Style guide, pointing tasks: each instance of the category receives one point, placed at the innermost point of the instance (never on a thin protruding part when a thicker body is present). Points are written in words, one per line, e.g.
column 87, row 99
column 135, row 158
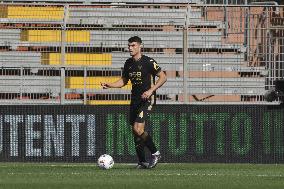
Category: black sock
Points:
column 139, row 147
column 148, row 142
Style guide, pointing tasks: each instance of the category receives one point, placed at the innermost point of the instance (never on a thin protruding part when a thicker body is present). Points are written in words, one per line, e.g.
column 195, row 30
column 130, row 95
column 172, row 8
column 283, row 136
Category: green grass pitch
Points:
column 164, row 176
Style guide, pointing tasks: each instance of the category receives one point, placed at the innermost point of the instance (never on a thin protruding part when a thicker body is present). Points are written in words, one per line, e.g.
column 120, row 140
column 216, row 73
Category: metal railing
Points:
column 59, row 53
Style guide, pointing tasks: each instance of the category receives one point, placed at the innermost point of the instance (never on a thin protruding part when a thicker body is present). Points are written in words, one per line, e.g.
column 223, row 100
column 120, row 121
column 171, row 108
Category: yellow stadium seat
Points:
column 108, row 102
column 91, row 82
column 77, row 36
column 80, row 59
column 33, row 12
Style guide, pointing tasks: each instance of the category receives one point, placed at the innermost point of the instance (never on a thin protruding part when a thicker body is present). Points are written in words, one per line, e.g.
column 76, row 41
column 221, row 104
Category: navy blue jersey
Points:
column 142, row 76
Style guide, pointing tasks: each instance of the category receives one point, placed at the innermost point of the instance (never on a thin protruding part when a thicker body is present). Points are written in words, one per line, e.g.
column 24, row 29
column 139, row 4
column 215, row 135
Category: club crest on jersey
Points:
column 156, row 65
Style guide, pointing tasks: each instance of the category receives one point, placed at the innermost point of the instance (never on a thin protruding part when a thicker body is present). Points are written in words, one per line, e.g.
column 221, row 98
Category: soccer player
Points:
column 141, row 70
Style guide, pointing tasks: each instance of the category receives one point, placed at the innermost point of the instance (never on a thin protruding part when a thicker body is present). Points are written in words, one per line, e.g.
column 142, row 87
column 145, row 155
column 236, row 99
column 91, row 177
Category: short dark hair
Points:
column 135, row 39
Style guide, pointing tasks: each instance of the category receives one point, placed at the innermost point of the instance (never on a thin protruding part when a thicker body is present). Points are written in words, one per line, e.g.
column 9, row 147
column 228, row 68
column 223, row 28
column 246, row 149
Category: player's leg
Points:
column 139, row 143
column 139, row 126
column 139, row 130
column 140, row 152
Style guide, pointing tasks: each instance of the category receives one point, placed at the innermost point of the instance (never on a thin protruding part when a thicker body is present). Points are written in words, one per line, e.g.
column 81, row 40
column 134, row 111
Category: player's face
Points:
column 134, row 48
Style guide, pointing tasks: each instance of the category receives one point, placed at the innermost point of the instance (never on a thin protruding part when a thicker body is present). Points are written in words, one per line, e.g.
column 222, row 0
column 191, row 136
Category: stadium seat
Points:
column 79, row 36
column 90, row 82
column 32, row 12
column 79, row 59
column 108, row 102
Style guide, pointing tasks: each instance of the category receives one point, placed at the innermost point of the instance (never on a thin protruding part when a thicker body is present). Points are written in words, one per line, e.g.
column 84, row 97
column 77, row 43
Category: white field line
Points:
column 145, row 173
column 126, row 173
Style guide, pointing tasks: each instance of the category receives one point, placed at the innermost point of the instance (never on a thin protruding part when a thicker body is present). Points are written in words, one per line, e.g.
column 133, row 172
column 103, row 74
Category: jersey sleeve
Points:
column 125, row 73
column 154, row 67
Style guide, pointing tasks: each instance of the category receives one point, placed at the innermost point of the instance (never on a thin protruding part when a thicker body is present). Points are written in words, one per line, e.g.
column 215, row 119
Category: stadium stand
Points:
column 225, row 60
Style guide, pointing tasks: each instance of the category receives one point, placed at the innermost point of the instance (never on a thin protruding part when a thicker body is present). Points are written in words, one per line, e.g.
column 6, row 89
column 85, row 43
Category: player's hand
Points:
column 105, row 85
column 146, row 95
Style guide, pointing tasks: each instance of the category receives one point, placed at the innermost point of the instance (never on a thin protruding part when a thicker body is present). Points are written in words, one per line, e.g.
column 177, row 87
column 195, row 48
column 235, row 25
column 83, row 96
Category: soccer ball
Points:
column 105, row 161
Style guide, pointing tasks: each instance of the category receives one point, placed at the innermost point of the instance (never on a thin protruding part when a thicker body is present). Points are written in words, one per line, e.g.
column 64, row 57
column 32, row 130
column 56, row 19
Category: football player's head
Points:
column 134, row 45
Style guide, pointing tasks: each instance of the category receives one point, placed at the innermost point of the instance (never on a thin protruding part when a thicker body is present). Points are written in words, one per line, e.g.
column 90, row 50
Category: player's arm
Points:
column 117, row 84
column 162, row 79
